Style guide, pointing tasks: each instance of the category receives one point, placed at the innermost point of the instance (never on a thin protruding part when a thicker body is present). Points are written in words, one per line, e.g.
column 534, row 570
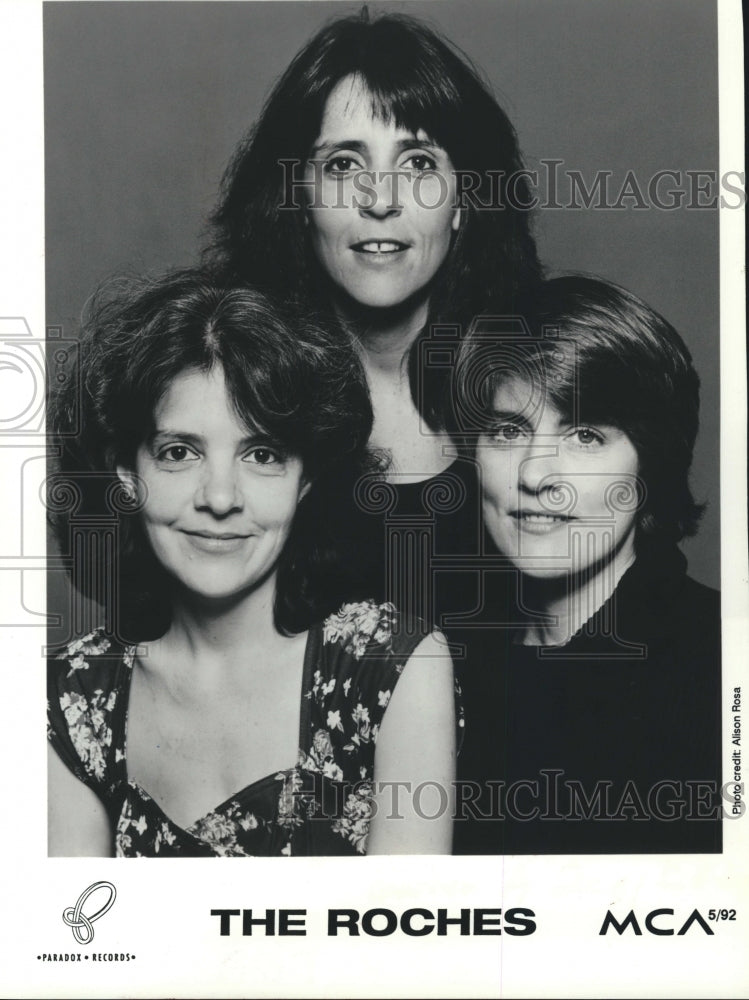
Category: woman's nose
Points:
column 539, row 468
column 383, row 195
column 544, row 475
column 218, row 490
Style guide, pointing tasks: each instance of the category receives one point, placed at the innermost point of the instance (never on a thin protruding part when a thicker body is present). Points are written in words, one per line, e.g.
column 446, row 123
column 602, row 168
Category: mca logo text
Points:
column 663, row 922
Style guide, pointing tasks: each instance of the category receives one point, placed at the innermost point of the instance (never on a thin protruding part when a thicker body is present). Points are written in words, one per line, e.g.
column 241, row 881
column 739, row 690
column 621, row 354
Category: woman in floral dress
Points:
column 211, row 716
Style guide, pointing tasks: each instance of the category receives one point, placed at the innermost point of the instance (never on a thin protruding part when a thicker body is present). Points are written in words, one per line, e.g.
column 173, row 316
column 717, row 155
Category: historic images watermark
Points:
column 549, row 796
column 551, row 186
column 27, row 367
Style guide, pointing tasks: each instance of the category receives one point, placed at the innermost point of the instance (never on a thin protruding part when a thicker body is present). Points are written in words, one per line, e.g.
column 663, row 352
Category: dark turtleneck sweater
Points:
column 608, row 744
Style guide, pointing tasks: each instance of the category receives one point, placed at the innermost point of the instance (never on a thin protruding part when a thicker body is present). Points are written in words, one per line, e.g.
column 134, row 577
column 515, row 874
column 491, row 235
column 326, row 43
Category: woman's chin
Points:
column 366, row 300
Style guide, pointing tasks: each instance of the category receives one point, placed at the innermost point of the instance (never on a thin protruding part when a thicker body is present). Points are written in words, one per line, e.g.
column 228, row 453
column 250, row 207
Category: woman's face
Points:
column 558, row 498
column 381, row 208
column 218, row 499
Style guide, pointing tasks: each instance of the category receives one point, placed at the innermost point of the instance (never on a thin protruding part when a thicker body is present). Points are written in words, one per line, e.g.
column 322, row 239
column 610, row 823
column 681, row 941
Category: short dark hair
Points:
column 628, row 368
column 286, row 377
column 422, row 81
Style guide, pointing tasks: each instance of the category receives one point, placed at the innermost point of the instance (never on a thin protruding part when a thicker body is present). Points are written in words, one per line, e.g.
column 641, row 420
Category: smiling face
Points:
column 218, row 499
column 382, row 216
column 559, row 498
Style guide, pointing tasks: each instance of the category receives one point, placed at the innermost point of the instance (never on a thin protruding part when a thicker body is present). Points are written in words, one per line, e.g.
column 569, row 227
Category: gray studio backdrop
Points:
column 144, row 103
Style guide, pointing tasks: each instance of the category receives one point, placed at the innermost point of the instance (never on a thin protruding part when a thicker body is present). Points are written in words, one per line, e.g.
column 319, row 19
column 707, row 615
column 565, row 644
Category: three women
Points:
column 356, row 195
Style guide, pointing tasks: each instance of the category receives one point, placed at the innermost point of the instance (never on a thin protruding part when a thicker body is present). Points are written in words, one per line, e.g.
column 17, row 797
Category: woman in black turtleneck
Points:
column 592, row 696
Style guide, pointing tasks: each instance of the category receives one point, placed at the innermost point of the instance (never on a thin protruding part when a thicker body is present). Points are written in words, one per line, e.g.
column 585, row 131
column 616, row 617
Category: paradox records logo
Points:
column 92, row 904
column 81, row 923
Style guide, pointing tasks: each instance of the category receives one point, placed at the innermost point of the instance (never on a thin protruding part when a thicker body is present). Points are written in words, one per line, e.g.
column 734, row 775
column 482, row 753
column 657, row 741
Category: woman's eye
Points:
column 177, row 453
column 341, row 165
column 263, row 456
column 420, row 162
column 506, row 433
column 587, row 437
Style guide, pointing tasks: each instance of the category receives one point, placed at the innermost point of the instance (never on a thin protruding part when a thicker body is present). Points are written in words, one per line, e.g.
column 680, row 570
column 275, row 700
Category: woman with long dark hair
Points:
column 382, row 186
column 217, row 716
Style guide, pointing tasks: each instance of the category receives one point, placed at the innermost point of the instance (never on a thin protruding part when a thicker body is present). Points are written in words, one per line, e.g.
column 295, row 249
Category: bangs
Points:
column 582, row 385
column 257, row 407
column 413, row 79
column 264, row 390
column 412, row 100
column 590, row 386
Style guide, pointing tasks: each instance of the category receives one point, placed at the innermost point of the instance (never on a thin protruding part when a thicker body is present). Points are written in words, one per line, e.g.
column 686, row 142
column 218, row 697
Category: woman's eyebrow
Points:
column 170, row 433
column 413, row 140
column 511, row 416
column 254, row 437
column 325, row 147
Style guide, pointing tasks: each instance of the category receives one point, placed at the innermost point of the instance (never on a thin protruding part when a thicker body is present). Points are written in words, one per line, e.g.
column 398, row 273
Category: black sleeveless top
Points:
column 416, row 545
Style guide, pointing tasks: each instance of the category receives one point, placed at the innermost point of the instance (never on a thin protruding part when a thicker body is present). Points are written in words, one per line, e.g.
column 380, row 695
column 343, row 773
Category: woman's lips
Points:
column 215, row 542
column 536, row 523
column 379, row 247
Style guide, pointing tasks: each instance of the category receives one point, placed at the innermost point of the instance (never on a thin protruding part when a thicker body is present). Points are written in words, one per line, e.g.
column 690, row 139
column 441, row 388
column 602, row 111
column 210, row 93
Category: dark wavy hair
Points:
column 628, row 368
column 287, row 378
column 421, row 81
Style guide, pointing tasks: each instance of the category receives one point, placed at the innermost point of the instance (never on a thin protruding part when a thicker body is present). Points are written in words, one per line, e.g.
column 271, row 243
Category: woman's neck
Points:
column 570, row 601
column 384, row 338
column 212, row 637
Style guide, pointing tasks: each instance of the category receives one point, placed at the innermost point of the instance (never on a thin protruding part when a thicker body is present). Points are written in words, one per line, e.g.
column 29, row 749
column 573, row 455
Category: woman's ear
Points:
column 304, row 490
column 127, row 478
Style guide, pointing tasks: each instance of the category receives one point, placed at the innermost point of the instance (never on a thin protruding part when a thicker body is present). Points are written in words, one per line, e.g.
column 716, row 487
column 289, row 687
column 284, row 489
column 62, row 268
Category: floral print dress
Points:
column 319, row 805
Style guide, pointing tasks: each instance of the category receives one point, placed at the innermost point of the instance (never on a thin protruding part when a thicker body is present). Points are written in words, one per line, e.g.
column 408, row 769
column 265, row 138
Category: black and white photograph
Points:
column 391, row 498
